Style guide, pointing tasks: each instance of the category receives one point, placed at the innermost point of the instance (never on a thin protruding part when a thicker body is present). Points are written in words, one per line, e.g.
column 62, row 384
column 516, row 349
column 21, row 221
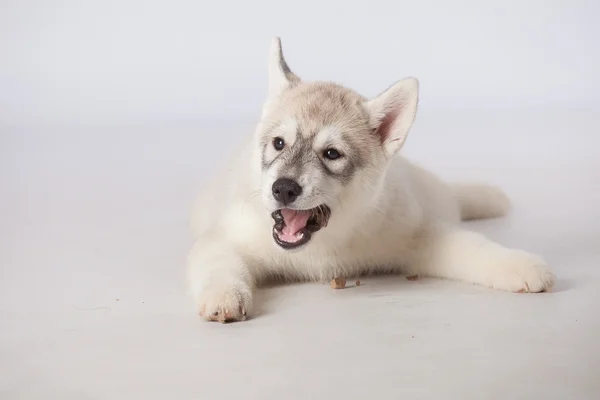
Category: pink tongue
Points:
column 295, row 220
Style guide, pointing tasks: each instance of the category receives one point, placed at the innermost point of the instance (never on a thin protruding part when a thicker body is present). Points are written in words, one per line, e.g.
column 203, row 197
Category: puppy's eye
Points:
column 278, row 143
column 331, row 154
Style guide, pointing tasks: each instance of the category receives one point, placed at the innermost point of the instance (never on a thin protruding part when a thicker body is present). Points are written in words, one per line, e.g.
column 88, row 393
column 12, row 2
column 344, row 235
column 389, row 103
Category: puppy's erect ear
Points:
column 281, row 77
column 393, row 112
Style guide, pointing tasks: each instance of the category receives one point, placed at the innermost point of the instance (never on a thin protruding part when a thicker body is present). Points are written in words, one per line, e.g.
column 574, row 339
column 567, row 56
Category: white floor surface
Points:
column 94, row 235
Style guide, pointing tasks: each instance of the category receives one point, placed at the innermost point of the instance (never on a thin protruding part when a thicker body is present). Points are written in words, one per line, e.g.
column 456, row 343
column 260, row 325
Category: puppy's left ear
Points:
column 393, row 112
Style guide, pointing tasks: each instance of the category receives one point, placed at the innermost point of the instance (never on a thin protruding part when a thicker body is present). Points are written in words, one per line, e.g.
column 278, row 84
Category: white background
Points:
column 99, row 61
column 113, row 114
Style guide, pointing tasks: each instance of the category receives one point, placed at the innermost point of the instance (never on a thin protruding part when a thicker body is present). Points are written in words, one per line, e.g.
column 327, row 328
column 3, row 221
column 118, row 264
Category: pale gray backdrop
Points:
column 114, row 113
column 89, row 61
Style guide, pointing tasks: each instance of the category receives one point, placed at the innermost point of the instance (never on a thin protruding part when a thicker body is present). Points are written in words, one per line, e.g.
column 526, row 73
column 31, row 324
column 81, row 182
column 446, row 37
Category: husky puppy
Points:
column 320, row 191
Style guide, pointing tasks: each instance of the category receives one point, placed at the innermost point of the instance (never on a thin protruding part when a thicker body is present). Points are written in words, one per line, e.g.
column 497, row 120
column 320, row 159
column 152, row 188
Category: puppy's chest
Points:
column 321, row 262
column 326, row 255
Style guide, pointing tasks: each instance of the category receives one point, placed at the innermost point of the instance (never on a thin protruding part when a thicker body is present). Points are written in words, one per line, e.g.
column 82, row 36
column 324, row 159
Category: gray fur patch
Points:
column 302, row 156
column 344, row 176
column 264, row 162
column 265, row 142
column 290, row 76
column 298, row 157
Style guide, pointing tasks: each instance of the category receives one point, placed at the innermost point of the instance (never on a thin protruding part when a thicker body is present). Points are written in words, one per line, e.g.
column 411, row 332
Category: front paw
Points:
column 225, row 302
column 524, row 273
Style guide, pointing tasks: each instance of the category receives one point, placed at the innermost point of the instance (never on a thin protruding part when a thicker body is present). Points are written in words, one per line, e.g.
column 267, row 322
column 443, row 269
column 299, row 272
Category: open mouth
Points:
column 293, row 228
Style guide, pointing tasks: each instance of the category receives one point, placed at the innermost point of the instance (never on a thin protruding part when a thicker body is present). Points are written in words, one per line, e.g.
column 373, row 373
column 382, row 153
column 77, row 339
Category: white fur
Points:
column 394, row 216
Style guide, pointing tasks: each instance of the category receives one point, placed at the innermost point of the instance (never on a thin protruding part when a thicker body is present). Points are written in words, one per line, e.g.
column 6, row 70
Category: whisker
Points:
column 334, row 197
column 249, row 198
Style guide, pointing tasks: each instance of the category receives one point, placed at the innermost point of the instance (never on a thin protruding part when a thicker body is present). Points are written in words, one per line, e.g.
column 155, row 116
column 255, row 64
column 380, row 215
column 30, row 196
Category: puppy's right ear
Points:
column 281, row 76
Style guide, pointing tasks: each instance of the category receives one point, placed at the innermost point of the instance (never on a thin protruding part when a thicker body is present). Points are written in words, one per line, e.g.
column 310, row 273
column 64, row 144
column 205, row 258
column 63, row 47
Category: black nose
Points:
column 286, row 190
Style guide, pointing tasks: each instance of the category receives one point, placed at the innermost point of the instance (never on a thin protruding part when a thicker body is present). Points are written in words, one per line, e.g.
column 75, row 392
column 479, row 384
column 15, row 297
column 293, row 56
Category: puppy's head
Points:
column 324, row 149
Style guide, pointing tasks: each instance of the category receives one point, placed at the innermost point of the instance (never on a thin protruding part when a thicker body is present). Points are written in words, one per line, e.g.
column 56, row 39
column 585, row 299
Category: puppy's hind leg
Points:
column 468, row 256
column 219, row 280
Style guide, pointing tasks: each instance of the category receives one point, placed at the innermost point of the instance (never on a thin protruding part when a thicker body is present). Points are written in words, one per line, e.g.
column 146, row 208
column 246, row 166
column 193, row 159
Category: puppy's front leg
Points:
column 471, row 257
column 220, row 280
